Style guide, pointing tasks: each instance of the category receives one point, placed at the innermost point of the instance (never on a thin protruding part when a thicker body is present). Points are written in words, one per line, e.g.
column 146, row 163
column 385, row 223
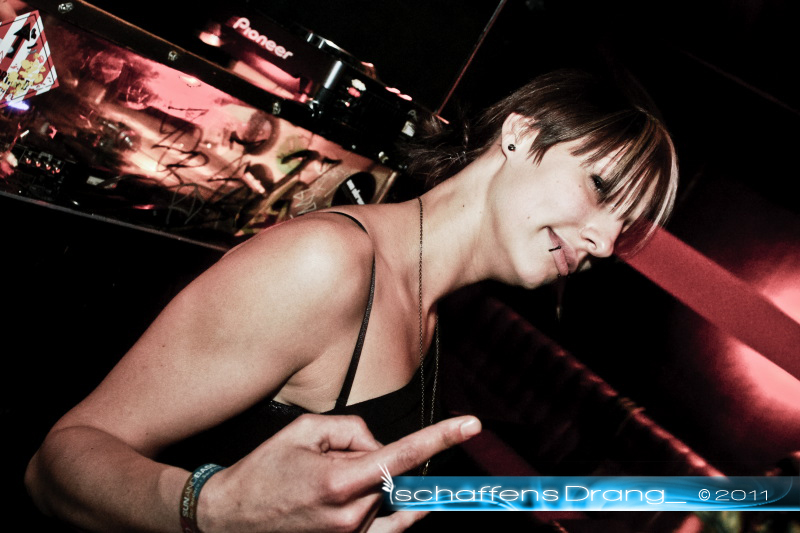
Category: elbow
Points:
column 42, row 474
column 33, row 483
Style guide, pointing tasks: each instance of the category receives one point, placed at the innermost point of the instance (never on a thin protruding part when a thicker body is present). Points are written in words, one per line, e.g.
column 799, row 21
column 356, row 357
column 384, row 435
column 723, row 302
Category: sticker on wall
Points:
column 26, row 68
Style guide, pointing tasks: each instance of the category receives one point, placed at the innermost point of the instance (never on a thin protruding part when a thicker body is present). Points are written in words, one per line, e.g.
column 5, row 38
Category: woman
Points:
column 553, row 176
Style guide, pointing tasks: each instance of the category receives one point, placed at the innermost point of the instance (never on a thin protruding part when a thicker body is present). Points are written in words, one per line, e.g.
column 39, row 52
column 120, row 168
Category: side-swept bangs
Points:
column 604, row 119
column 641, row 183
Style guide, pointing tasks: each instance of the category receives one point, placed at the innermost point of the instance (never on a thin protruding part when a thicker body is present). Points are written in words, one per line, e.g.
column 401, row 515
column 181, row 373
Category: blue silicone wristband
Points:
column 191, row 493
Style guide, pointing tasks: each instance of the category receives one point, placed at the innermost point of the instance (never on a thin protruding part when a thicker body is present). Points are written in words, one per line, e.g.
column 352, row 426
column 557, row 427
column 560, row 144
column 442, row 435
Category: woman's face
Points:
column 549, row 217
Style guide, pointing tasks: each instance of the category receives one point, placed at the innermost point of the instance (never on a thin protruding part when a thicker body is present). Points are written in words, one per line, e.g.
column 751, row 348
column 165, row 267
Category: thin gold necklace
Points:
column 421, row 347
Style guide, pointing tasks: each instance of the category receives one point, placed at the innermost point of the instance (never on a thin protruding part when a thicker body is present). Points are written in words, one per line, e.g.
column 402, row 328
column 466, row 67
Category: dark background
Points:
column 78, row 292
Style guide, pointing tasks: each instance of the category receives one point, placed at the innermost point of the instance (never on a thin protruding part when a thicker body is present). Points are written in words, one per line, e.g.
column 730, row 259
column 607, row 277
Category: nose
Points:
column 600, row 235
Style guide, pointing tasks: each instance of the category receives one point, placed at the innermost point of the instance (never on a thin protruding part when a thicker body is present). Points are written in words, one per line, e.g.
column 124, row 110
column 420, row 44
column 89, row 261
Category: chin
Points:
column 534, row 281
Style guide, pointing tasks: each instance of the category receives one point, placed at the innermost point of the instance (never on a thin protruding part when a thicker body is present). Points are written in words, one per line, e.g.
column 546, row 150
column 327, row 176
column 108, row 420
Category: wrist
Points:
column 197, row 500
column 211, row 506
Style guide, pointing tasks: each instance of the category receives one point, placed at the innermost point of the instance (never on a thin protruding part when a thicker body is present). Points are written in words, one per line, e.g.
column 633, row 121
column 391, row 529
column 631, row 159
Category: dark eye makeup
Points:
column 598, row 182
column 600, row 186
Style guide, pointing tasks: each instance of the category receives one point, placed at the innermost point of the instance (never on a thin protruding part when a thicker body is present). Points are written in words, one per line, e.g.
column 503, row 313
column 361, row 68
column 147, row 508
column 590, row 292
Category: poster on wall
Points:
column 26, row 68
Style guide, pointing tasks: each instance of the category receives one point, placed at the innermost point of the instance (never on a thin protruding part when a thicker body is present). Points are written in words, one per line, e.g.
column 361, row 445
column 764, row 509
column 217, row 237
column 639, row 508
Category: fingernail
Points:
column 470, row 428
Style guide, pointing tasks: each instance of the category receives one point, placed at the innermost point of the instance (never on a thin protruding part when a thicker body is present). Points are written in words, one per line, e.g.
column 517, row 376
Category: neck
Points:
column 458, row 234
column 458, row 231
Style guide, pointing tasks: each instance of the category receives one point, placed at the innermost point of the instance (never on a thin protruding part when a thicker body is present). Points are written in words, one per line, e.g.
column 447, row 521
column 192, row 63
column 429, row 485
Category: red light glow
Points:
column 740, row 365
column 721, row 298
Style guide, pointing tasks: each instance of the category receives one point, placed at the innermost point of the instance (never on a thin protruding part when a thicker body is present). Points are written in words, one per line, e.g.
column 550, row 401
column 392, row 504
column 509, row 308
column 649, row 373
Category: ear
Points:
column 517, row 130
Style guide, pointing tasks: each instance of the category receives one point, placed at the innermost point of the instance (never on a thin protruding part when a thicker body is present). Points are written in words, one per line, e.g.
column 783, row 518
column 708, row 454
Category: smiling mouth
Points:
column 560, row 257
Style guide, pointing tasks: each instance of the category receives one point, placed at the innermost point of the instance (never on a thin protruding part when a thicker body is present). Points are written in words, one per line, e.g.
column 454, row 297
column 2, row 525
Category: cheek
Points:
column 569, row 202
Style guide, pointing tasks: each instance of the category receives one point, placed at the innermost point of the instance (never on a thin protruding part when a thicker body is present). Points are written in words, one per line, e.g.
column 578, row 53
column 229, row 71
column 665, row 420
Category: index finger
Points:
column 413, row 450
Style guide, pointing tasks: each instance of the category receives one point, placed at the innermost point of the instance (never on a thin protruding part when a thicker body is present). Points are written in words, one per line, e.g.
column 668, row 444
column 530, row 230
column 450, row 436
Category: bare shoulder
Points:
column 318, row 248
column 237, row 333
column 308, row 274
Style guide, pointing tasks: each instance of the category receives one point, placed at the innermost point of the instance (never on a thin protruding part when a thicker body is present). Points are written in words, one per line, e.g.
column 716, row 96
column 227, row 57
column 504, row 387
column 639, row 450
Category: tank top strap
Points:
column 344, row 394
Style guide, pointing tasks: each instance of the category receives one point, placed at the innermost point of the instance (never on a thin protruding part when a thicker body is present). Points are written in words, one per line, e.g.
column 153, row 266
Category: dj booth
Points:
column 266, row 124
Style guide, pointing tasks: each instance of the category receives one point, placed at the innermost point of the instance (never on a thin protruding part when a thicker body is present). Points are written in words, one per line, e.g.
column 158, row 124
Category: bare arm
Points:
column 318, row 474
column 228, row 340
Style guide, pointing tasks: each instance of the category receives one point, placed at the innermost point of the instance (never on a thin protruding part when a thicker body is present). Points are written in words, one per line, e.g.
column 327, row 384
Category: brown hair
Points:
column 570, row 105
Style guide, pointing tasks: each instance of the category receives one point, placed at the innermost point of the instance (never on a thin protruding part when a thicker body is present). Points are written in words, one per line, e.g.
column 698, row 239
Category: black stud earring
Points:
column 512, row 147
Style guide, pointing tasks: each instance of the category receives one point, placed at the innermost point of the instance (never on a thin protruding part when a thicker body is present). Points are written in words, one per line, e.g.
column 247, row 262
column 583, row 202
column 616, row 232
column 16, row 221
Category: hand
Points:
column 320, row 473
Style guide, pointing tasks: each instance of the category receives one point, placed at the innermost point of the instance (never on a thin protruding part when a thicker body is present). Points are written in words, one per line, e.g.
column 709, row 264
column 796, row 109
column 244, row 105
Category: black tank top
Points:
column 389, row 417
